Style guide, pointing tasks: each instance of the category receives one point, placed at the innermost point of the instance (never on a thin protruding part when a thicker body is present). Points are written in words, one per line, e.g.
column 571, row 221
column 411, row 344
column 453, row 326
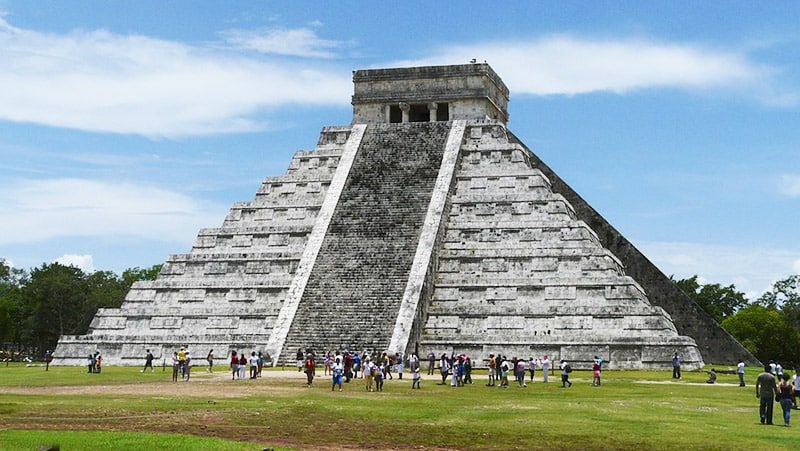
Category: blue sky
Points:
column 125, row 127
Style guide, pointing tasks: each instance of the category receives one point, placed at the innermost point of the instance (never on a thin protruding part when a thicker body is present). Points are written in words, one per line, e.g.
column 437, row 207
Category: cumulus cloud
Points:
column 752, row 270
column 84, row 262
column 105, row 82
column 789, row 185
column 569, row 65
column 40, row 210
column 294, row 42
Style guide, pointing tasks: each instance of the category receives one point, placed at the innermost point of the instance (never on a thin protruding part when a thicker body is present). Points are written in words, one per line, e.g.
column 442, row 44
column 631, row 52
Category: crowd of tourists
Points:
column 374, row 368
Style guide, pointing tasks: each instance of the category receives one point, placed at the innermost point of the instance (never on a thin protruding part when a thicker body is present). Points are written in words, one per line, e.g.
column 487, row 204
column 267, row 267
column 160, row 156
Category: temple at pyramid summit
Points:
column 423, row 226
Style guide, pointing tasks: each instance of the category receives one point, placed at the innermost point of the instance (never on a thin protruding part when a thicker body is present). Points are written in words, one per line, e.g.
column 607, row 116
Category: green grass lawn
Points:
column 131, row 410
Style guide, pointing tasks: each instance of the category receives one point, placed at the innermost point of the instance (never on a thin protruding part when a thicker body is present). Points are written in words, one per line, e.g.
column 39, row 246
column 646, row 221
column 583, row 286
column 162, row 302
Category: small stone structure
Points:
column 424, row 225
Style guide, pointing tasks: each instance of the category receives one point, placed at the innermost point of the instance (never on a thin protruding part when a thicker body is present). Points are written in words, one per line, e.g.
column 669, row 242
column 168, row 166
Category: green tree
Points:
column 11, row 313
column 718, row 301
column 136, row 274
column 784, row 296
column 55, row 301
column 766, row 333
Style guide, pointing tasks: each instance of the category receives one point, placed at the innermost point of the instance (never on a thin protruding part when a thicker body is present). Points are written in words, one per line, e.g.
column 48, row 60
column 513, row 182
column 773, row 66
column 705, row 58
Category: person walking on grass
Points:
column 210, row 360
column 336, row 371
column 787, row 397
column 740, row 372
column 148, row 361
column 796, row 385
column 532, row 368
column 234, row 365
column 676, row 366
column 565, row 370
column 766, row 391
column 417, row 378
column 444, row 368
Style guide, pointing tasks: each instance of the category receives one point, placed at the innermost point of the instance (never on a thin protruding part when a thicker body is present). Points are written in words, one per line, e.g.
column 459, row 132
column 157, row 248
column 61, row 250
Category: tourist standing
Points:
column 176, row 366
column 596, row 373
column 242, row 365
column 368, row 372
column 431, row 363
column 234, row 365
column 336, row 371
column 48, row 357
column 398, row 357
column 253, row 365
column 444, row 368
column 796, row 385
column 532, row 368
column 378, row 371
column 417, row 378
column 766, row 391
column 676, row 366
column 740, row 372
column 210, row 360
column 545, row 368
column 492, row 370
column 468, row 371
column 520, row 373
column 98, row 358
column 413, row 362
column 148, row 361
column 787, row 397
column 187, row 366
column 565, row 370
column 310, row 369
column 299, row 360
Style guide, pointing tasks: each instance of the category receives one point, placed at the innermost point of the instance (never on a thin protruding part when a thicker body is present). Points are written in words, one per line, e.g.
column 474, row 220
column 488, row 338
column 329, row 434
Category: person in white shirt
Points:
column 796, row 385
column 545, row 368
column 740, row 372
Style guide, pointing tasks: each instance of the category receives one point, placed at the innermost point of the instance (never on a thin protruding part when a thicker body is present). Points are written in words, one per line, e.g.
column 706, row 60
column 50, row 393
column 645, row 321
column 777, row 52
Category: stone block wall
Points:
column 520, row 274
column 226, row 293
column 353, row 294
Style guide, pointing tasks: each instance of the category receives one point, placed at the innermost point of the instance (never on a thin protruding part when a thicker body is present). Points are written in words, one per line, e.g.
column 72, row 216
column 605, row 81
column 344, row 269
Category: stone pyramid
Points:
column 425, row 225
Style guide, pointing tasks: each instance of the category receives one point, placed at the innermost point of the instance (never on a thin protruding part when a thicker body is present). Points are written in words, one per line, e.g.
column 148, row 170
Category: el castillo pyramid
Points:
column 425, row 225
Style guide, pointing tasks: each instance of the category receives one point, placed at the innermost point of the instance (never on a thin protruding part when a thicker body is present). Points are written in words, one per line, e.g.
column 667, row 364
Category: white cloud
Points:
column 40, row 210
column 105, row 82
column 724, row 264
column 569, row 65
column 789, row 185
column 295, row 42
column 84, row 262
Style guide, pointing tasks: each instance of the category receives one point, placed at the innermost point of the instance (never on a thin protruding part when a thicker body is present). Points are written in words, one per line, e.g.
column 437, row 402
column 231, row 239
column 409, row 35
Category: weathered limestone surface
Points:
column 226, row 294
column 353, row 295
column 519, row 274
column 425, row 225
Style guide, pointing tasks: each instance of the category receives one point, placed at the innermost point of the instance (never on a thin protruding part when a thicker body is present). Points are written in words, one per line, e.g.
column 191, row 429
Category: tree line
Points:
column 769, row 327
column 40, row 305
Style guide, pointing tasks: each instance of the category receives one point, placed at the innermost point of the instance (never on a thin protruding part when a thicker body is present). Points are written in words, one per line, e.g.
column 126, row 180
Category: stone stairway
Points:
column 227, row 292
column 354, row 291
column 519, row 273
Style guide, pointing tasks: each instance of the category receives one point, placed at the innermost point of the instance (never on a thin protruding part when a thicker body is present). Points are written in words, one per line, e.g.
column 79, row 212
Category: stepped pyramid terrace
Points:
column 424, row 225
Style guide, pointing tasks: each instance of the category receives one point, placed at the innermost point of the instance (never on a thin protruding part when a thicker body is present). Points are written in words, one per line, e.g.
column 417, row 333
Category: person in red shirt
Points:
column 234, row 365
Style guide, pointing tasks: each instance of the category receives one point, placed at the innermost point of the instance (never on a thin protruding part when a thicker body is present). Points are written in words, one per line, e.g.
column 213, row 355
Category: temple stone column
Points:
column 432, row 108
column 405, row 108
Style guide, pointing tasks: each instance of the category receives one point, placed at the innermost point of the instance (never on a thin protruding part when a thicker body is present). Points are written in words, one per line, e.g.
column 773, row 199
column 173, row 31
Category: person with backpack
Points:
column 565, row 370
column 148, row 362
